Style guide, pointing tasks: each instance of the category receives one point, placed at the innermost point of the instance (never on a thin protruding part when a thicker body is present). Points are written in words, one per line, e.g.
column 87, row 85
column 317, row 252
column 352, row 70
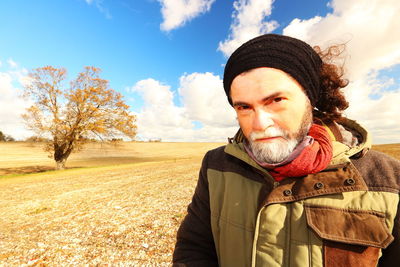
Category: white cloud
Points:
column 12, row 105
column 177, row 12
column 301, row 28
column 12, row 63
column 380, row 115
column 371, row 30
column 159, row 109
column 154, row 92
column 203, row 100
column 248, row 22
column 99, row 5
column 159, row 117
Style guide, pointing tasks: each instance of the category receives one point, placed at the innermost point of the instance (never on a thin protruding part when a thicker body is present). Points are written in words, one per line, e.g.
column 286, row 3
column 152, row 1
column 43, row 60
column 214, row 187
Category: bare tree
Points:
column 70, row 116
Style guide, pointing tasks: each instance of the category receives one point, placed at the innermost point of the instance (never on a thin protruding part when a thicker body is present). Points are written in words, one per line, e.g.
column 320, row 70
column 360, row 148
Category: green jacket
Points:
column 346, row 215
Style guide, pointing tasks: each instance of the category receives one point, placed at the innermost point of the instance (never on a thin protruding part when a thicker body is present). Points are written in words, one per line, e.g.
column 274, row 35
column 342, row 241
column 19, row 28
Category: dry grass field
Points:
column 117, row 205
column 20, row 157
column 390, row 149
column 122, row 209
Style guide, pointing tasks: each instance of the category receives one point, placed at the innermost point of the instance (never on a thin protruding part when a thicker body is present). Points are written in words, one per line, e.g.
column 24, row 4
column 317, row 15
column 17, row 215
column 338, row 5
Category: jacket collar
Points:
column 340, row 176
column 342, row 153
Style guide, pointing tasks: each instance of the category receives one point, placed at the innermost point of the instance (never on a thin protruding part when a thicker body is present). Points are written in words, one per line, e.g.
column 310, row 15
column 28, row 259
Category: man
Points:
column 296, row 186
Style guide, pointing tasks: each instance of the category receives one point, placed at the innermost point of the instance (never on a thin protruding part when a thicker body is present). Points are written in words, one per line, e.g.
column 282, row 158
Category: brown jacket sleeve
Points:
column 195, row 243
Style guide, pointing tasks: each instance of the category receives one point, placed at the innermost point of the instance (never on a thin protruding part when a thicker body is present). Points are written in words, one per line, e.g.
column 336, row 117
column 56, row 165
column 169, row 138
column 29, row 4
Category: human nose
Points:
column 262, row 120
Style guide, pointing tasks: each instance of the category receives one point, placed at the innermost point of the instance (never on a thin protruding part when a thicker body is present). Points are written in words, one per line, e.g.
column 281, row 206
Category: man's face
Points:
column 273, row 112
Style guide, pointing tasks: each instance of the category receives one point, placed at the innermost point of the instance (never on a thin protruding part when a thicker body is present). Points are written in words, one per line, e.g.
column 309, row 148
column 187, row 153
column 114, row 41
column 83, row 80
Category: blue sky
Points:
column 124, row 40
column 167, row 58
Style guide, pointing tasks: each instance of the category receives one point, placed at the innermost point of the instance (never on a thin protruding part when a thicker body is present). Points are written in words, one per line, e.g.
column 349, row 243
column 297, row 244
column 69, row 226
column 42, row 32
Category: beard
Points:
column 278, row 150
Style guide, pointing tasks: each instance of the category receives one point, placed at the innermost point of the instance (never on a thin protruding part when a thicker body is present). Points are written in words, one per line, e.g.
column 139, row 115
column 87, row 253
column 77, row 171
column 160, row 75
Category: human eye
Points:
column 242, row 107
column 277, row 100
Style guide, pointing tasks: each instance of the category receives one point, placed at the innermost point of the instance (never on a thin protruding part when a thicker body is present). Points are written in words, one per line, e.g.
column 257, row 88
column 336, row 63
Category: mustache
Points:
column 268, row 133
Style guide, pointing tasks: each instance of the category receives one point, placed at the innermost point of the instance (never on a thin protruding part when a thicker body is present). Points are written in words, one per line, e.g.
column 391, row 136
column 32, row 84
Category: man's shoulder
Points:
column 376, row 158
column 217, row 159
column 379, row 170
column 216, row 152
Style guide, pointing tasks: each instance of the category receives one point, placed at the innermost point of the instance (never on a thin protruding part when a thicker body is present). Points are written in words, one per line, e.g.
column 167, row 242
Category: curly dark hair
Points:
column 332, row 101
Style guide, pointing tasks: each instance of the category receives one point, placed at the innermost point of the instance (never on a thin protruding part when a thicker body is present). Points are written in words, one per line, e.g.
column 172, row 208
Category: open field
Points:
column 123, row 214
column 21, row 157
column 123, row 208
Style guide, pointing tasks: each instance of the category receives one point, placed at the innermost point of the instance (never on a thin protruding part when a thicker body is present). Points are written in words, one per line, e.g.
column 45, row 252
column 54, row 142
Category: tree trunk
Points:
column 61, row 155
column 60, row 164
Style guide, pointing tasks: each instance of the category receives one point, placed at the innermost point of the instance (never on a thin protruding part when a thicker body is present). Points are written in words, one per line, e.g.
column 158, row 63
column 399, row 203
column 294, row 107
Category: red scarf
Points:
column 312, row 159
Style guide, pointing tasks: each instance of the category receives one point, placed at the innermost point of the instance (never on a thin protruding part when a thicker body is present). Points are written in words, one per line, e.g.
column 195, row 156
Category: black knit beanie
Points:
column 288, row 54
